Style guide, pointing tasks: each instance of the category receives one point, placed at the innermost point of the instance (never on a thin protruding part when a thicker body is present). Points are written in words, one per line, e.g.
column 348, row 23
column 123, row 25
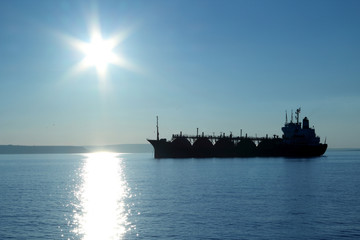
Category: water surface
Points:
column 133, row 196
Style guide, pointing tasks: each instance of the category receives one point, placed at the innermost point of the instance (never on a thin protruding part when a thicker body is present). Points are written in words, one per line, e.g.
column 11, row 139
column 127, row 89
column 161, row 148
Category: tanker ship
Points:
column 298, row 140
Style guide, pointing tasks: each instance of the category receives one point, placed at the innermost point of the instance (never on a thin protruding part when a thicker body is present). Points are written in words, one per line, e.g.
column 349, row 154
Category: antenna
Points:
column 292, row 115
column 286, row 120
column 297, row 114
column 157, row 128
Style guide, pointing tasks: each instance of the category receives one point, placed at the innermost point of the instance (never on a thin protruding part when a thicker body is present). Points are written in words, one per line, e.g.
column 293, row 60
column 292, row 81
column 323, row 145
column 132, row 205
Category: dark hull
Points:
column 164, row 149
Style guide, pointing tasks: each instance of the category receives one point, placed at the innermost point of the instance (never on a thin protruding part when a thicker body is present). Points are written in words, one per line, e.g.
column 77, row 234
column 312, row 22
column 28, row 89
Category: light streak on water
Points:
column 101, row 213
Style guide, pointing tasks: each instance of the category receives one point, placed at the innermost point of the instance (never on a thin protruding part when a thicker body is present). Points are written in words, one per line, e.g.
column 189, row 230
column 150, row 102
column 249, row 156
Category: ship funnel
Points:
column 305, row 123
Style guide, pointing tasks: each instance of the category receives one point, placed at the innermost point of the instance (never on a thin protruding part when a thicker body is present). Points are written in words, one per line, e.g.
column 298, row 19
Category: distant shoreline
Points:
column 343, row 149
column 124, row 148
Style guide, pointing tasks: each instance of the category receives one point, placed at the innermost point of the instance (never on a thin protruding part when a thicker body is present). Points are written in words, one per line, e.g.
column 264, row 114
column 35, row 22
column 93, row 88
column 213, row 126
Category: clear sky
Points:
column 220, row 66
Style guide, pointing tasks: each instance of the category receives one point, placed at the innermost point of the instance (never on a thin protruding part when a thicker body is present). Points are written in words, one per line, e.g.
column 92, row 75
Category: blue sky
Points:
column 220, row 66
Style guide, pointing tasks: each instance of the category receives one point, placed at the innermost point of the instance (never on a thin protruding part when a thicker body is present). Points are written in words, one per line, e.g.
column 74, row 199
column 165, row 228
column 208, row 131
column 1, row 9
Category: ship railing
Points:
column 215, row 138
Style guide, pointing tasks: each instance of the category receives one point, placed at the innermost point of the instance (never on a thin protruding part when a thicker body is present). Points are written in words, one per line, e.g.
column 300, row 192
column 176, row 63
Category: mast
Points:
column 157, row 128
column 286, row 120
column 297, row 115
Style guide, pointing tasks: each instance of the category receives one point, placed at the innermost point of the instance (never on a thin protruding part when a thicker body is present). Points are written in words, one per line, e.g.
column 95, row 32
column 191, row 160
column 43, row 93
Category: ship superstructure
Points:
column 294, row 133
column 297, row 141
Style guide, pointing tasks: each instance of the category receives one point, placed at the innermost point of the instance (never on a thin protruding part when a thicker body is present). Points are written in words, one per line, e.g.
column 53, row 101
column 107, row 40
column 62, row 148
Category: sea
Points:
column 134, row 196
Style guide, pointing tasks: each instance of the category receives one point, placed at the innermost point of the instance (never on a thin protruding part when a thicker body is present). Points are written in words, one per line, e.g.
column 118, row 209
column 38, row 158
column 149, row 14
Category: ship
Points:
column 298, row 140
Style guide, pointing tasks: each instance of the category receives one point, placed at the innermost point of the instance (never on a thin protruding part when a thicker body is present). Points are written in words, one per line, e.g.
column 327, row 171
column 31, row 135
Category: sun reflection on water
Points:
column 102, row 212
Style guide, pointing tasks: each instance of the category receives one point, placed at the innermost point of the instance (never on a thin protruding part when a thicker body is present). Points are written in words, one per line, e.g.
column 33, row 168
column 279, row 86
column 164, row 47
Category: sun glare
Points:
column 99, row 53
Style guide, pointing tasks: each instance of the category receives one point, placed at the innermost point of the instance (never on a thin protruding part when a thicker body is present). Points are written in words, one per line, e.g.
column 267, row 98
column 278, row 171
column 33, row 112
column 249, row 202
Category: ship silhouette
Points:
column 298, row 140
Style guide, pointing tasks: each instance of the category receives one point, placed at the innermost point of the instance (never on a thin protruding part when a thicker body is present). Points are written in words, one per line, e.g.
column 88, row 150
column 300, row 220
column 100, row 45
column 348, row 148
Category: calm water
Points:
column 133, row 196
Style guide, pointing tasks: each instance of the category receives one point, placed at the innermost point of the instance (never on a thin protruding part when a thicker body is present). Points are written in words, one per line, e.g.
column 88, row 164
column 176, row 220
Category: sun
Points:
column 99, row 53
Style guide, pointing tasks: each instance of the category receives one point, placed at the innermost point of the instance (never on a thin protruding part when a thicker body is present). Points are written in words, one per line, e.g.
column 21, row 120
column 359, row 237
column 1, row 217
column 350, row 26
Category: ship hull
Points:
column 303, row 150
column 164, row 149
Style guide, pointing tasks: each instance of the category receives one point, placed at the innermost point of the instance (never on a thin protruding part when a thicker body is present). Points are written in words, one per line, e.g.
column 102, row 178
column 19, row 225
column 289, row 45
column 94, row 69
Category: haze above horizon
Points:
column 99, row 72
